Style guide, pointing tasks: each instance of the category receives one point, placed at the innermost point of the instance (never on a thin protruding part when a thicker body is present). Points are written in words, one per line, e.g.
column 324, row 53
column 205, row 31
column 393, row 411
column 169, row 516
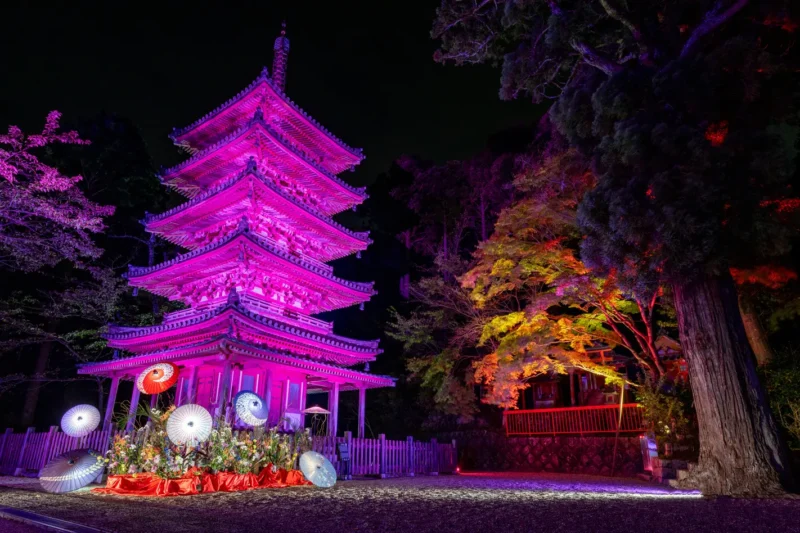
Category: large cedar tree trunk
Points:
column 741, row 452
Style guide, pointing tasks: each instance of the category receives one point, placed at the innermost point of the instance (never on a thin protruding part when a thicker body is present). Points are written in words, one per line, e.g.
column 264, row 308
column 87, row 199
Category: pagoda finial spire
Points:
column 281, row 50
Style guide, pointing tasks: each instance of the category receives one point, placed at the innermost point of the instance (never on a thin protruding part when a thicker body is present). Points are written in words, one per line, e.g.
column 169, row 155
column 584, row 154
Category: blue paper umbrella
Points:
column 318, row 470
column 250, row 408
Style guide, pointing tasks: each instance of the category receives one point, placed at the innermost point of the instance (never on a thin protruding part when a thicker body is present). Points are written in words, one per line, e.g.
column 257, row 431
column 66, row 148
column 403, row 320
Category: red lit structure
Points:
column 258, row 231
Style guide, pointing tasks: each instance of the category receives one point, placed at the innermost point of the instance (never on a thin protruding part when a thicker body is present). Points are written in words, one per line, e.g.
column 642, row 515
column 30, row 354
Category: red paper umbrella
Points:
column 157, row 378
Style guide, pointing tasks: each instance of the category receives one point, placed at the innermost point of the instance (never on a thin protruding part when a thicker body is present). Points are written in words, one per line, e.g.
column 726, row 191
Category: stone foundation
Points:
column 494, row 451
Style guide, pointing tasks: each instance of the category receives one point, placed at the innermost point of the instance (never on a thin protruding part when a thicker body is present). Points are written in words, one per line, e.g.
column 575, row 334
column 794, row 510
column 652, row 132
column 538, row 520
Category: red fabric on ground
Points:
column 197, row 482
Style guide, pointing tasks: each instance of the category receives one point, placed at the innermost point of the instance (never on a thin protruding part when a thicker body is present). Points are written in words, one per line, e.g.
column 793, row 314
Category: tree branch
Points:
column 712, row 21
column 616, row 15
column 594, row 58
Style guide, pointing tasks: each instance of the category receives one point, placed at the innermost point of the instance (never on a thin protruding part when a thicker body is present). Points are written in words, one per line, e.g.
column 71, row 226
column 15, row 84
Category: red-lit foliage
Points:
column 782, row 205
column 784, row 23
column 771, row 276
column 717, row 132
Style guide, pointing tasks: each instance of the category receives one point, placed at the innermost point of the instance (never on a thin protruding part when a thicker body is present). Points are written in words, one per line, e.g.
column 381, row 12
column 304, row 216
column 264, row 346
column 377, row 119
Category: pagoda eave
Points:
column 225, row 347
column 243, row 250
column 240, row 323
column 251, row 193
column 258, row 140
column 263, row 94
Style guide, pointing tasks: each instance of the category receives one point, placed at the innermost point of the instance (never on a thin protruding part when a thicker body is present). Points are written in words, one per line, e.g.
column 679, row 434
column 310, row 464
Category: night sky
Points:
column 364, row 69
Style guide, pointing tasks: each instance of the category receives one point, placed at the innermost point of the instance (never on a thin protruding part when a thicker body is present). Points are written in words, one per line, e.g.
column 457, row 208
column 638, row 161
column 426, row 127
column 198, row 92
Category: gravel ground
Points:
column 469, row 502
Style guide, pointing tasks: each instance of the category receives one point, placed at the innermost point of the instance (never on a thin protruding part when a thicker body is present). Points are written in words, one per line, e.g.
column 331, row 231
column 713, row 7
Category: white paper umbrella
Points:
column 80, row 420
column 71, row 471
column 250, row 408
column 318, row 470
column 189, row 424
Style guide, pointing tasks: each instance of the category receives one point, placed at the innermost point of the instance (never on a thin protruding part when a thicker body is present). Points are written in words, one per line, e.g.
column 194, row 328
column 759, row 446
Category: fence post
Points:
column 435, row 461
column 18, row 470
column 348, row 438
column 410, row 444
column 8, row 432
column 382, row 455
column 47, row 444
column 455, row 458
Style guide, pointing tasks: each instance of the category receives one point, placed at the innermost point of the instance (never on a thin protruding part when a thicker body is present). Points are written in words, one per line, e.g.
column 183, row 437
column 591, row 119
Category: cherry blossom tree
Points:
column 44, row 216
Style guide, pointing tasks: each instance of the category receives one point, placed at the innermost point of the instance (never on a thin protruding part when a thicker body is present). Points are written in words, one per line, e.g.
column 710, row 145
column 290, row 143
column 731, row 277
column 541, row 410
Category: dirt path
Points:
column 471, row 502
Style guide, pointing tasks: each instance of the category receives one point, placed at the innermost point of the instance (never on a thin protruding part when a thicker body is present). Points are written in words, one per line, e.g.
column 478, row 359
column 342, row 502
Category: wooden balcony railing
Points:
column 574, row 420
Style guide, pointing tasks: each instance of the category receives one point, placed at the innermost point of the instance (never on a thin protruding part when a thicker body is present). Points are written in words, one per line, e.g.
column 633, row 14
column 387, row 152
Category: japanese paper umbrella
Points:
column 157, row 378
column 317, row 469
column 189, row 424
column 80, row 420
column 250, row 408
column 71, row 471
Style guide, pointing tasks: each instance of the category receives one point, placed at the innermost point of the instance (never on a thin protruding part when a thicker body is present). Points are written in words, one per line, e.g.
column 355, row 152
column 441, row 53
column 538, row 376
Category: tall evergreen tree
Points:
column 689, row 112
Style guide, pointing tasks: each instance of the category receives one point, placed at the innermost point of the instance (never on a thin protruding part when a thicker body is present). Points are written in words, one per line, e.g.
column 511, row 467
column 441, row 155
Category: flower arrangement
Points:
column 149, row 450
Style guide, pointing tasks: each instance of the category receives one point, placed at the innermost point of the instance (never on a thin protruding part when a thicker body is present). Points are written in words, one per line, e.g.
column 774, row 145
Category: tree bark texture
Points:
column 32, row 394
column 756, row 335
column 741, row 452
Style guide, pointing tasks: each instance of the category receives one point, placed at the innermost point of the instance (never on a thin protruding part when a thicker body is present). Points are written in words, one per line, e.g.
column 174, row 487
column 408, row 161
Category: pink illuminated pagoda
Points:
column 262, row 186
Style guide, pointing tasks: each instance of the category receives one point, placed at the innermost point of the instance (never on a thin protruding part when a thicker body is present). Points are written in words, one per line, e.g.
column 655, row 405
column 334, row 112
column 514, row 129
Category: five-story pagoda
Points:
column 262, row 189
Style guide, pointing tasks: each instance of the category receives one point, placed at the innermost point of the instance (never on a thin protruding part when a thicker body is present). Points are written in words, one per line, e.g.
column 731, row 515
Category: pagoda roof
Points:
column 257, row 139
column 251, row 191
column 243, row 248
column 262, row 94
column 281, row 313
column 225, row 345
column 239, row 322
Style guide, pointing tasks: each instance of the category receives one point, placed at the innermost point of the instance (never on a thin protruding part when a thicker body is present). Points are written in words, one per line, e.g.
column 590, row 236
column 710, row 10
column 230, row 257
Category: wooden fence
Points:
column 389, row 458
column 26, row 453
column 574, row 420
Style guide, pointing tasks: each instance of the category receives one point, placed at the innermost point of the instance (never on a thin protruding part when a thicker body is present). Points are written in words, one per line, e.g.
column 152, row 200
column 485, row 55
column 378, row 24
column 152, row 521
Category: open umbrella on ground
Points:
column 71, row 471
column 189, row 424
column 250, row 408
column 157, row 378
column 80, row 420
column 317, row 469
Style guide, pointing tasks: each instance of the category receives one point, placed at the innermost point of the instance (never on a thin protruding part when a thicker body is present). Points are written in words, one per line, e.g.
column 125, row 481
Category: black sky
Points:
column 362, row 68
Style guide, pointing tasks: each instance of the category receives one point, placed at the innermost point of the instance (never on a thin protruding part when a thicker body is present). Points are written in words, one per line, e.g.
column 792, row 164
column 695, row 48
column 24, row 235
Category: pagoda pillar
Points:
column 238, row 377
column 333, row 407
column 267, row 377
column 362, row 410
column 224, row 389
column 133, row 407
column 285, row 400
column 303, row 398
column 191, row 391
column 112, row 399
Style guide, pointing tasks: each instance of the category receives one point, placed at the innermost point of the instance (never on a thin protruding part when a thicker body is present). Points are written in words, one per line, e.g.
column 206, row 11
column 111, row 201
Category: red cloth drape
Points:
column 197, row 482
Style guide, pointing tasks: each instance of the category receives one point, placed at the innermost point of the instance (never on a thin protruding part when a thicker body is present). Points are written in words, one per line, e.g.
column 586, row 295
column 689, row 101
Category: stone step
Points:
column 674, row 483
column 683, row 474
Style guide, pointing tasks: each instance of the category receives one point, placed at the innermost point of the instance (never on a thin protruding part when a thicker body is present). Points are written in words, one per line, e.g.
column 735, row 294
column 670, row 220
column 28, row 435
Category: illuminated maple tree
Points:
column 562, row 308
